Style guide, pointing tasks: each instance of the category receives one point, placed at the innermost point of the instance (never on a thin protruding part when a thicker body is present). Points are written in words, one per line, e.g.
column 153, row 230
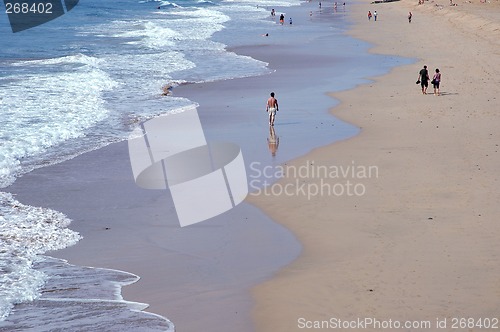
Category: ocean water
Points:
column 86, row 80
column 75, row 84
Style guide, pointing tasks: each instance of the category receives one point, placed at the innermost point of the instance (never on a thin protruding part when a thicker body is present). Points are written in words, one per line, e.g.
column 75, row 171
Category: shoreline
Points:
column 421, row 244
column 129, row 229
column 84, row 293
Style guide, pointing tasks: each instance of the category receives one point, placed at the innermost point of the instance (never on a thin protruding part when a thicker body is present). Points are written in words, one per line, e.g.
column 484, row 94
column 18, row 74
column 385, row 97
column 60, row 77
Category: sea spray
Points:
column 25, row 233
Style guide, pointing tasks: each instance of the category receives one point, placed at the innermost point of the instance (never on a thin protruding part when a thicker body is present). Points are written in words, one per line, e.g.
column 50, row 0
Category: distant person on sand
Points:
column 409, row 17
column 423, row 77
column 436, row 79
column 375, row 15
column 273, row 141
column 369, row 15
column 282, row 19
column 273, row 13
column 272, row 108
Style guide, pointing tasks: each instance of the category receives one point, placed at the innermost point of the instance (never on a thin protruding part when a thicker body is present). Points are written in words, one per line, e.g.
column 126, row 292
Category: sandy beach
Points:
column 398, row 222
column 420, row 243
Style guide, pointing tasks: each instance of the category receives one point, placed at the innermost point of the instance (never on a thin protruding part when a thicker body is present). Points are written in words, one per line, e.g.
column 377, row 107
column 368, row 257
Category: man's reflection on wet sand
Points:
column 273, row 141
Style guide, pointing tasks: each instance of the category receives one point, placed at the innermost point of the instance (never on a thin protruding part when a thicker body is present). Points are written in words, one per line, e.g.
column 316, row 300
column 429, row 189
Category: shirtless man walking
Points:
column 272, row 108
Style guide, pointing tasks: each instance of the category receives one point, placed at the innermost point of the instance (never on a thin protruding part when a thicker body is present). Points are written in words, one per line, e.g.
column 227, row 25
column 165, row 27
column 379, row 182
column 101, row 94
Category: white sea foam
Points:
column 178, row 26
column 60, row 102
column 147, row 33
column 76, row 298
column 198, row 23
column 162, row 3
column 26, row 232
column 76, row 58
column 166, row 3
column 205, row 2
column 262, row 3
column 176, row 44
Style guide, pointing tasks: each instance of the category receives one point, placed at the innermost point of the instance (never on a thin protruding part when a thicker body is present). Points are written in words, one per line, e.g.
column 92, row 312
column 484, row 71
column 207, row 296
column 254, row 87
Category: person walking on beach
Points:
column 375, row 15
column 272, row 108
column 282, row 19
column 409, row 17
column 369, row 15
column 423, row 77
column 436, row 79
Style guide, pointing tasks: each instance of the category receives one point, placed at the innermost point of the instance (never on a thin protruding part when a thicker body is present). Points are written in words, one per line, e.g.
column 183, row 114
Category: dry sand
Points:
column 422, row 242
